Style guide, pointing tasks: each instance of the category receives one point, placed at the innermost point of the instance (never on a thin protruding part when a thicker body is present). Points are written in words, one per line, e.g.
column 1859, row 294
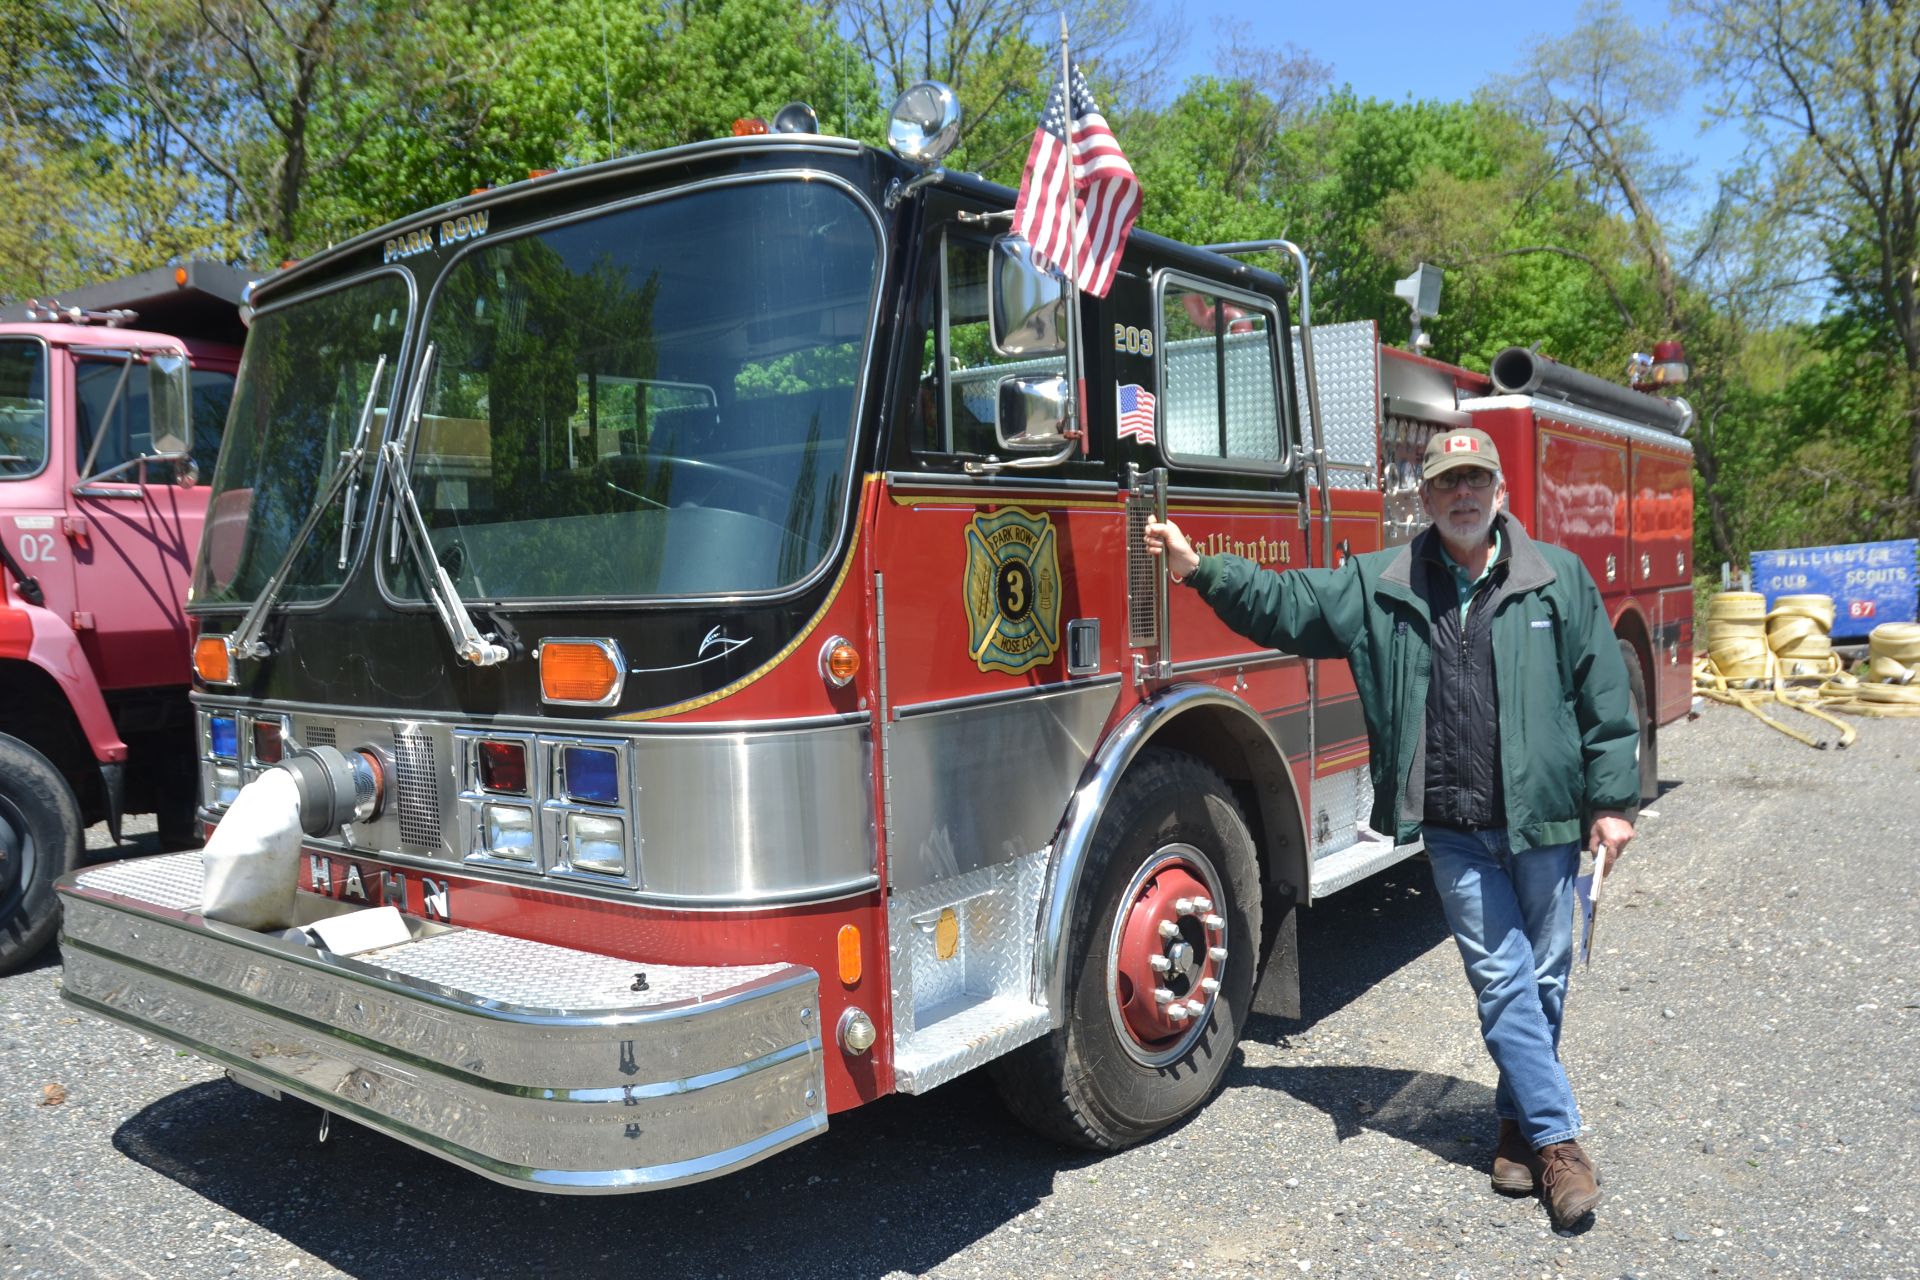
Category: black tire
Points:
column 1092, row 1082
column 1649, row 752
column 40, row 839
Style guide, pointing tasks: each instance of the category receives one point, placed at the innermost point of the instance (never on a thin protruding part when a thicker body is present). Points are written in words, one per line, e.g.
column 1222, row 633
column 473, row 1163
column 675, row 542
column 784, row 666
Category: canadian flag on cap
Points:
column 1460, row 444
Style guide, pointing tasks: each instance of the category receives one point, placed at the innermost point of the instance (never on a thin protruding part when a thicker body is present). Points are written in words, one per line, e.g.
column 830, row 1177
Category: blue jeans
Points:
column 1512, row 916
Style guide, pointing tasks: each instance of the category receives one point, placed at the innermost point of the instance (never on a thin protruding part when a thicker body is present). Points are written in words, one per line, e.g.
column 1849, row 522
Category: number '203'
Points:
column 1133, row 340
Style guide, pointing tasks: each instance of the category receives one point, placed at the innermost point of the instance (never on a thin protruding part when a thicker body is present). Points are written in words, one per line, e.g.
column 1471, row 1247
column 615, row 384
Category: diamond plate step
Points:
column 1371, row 853
column 972, row 1034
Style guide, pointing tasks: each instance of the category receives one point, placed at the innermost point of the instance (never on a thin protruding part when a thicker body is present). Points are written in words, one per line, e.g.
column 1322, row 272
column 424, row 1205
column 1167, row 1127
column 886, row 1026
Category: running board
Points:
column 1357, row 861
column 974, row 1033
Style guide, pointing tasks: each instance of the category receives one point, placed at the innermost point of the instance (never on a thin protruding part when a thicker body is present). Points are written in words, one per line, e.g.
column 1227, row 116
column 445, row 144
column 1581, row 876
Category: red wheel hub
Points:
column 1165, row 971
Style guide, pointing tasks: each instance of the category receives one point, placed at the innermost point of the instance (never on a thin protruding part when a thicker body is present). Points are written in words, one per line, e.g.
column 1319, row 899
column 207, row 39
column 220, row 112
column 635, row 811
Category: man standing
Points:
column 1498, row 715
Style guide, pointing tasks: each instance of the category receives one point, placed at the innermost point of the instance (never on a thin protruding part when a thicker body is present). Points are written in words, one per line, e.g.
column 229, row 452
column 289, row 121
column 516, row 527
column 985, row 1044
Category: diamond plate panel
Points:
column 1342, row 803
column 536, row 975
column 493, row 966
column 1346, row 357
column 1190, row 397
column 171, row 880
column 996, row 908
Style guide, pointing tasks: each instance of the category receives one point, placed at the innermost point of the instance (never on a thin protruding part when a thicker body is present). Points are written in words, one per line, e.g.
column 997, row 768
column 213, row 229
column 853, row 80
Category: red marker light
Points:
column 503, row 767
column 748, row 126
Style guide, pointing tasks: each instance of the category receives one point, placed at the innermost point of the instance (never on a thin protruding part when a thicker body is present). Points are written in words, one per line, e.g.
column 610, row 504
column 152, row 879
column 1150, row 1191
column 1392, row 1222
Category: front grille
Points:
column 318, row 735
column 416, row 778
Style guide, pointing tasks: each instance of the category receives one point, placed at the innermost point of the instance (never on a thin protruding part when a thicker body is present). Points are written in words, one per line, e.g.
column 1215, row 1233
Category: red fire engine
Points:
column 111, row 404
column 685, row 594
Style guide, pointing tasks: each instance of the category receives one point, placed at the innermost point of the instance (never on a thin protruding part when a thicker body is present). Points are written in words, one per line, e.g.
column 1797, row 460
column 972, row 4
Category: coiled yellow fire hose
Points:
column 1889, row 684
column 1787, row 657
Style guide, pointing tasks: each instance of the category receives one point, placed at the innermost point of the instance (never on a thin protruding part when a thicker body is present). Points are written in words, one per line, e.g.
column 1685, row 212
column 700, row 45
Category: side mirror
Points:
column 1034, row 413
column 1028, row 305
column 170, row 405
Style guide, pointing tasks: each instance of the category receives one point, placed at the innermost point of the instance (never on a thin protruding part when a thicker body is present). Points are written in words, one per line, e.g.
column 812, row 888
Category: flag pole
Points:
column 1076, row 364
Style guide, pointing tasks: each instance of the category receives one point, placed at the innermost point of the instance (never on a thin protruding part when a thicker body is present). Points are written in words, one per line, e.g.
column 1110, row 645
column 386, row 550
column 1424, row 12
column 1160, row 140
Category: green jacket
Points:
column 1567, row 731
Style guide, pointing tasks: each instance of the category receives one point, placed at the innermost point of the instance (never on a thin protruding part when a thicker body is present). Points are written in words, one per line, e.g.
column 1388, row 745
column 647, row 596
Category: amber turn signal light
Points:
column 748, row 126
column 839, row 661
column 582, row 672
column 849, row 955
column 211, row 661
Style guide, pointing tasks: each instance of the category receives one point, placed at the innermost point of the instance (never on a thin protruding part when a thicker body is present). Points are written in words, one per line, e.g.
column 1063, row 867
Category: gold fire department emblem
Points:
column 1012, row 591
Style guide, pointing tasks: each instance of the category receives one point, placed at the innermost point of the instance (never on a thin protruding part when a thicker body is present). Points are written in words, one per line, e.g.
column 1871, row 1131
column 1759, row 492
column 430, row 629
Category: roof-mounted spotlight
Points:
column 925, row 124
column 796, row 117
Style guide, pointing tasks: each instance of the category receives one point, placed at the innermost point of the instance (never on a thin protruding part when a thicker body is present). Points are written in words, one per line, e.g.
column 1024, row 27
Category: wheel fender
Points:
column 36, row 635
column 1073, row 840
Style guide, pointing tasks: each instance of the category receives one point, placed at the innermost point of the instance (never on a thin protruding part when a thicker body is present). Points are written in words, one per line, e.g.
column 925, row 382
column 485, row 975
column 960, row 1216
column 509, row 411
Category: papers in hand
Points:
column 1583, row 896
column 1586, row 893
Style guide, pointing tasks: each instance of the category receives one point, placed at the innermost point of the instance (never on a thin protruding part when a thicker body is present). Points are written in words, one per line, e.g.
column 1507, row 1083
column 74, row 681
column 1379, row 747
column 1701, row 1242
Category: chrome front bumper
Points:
column 535, row 1065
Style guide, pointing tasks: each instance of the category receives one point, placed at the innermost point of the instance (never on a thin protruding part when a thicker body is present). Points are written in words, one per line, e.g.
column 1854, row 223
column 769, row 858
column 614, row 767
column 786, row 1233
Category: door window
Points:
column 128, row 430
column 1219, row 404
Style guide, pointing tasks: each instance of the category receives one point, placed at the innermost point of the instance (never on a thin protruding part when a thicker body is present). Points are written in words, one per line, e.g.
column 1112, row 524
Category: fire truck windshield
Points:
column 653, row 400
column 303, row 389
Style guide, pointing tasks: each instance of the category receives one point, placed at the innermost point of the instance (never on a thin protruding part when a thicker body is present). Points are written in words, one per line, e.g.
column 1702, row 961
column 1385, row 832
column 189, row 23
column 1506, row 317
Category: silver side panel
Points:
column 974, row 786
column 1342, row 803
column 1549, row 408
column 537, row 1066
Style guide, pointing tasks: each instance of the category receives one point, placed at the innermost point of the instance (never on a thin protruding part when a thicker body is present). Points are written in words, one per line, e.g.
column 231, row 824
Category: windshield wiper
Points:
column 246, row 641
column 472, row 647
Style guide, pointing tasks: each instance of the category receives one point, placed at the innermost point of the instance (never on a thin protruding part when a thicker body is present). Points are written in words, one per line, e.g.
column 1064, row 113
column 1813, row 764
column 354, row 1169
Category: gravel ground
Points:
column 1744, row 1045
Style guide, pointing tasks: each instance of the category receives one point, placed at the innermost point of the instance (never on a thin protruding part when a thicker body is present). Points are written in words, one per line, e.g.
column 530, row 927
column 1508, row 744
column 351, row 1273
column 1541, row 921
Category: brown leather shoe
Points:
column 1513, row 1162
column 1567, row 1183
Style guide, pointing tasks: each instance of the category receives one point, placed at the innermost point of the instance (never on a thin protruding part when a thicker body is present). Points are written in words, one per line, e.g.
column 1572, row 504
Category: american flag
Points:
column 1105, row 196
column 1136, row 413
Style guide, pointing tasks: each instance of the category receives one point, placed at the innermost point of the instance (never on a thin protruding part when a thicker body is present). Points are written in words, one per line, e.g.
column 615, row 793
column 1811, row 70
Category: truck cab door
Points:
column 138, row 531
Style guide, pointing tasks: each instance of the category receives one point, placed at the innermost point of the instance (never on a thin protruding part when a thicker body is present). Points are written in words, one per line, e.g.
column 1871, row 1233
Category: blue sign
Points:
column 1870, row 582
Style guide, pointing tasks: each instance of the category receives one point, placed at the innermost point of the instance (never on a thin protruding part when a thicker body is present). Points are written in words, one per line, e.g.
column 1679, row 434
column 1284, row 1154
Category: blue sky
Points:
column 1393, row 50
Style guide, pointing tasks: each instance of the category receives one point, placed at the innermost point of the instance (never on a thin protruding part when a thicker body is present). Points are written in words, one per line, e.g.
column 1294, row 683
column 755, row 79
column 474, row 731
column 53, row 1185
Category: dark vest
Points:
column 1463, row 776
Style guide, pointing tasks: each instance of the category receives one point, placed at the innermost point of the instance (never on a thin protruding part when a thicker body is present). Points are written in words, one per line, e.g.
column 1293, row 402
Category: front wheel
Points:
column 1162, row 953
column 40, row 839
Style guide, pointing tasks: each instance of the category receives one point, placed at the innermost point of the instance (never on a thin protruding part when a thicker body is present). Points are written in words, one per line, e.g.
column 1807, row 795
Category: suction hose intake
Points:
column 337, row 787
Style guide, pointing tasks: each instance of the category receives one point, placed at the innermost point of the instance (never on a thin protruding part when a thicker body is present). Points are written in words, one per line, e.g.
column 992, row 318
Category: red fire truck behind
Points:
column 684, row 588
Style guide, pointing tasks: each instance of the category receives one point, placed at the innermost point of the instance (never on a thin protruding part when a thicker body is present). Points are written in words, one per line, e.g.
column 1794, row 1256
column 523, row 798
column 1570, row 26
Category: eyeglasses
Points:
column 1472, row 477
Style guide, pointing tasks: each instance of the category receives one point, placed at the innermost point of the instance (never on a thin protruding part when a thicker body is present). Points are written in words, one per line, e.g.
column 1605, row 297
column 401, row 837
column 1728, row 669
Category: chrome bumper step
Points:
column 538, row 1066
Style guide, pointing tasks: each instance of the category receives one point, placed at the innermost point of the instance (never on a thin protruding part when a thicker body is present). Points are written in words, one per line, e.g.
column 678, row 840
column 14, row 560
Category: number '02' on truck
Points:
column 751, row 687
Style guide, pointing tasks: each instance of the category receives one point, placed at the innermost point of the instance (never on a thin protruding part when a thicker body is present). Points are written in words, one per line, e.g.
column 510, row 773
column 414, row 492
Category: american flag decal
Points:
column 1136, row 413
column 1103, row 197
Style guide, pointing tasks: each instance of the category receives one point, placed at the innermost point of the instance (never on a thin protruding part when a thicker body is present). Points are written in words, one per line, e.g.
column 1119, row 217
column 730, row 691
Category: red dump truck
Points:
column 112, row 402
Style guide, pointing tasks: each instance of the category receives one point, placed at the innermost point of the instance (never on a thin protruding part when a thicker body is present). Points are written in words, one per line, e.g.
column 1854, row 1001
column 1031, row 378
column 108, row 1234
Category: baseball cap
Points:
column 1463, row 447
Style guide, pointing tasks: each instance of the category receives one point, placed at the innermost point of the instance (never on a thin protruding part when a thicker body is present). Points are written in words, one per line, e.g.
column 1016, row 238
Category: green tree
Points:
column 1830, row 93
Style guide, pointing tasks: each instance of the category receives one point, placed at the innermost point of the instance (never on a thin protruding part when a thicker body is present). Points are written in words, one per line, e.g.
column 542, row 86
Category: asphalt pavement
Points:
column 1745, row 1047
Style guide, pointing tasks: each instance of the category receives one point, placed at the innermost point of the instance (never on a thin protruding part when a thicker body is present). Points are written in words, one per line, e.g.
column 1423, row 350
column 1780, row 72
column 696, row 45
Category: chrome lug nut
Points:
column 1159, row 964
column 1162, row 996
column 1214, row 922
column 1203, row 905
column 1195, row 1009
column 1168, row 929
column 1217, row 954
column 1209, row 985
column 1178, row 1012
column 1183, row 905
